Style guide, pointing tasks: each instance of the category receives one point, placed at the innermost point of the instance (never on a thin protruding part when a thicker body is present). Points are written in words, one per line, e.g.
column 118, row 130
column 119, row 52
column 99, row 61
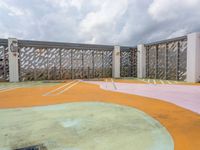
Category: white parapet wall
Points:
column 193, row 57
column 141, row 61
column 13, row 60
column 116, row 62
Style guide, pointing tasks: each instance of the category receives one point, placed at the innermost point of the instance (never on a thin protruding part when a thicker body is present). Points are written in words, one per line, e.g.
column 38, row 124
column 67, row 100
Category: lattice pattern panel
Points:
column 4, row 66
column 107, row 63
column 128, row 62
column 77, row 64
column 167, row 60
column 161, row 61
column 27, row 59
column 37, row 64
column 88, row 64
column 182, row 60
column 172, row 61
column 42, row 63
column 151, row 62
column 66, row 64
column 98, row 64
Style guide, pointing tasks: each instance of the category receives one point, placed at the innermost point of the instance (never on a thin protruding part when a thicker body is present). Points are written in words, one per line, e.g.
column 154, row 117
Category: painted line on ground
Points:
column 67, row 88
column 148, row 81
column 162, row 82
column 8, row 89
column 114, row 85
column 169, row 82
column 106, row 83
column 57, row 89
column 143, row 80
column 154, row 81
column 3, row 88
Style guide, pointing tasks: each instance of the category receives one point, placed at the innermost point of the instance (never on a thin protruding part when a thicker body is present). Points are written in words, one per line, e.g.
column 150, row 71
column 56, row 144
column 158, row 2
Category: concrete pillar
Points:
column 193, row 57
column 13, row 60
column 141, row 61
column 116, row 62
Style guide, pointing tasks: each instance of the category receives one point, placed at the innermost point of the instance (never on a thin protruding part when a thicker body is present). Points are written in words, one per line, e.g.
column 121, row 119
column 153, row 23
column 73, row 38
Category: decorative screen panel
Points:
column 128, row 62
column 55, row 61
column 167, row 59
column 4, row 70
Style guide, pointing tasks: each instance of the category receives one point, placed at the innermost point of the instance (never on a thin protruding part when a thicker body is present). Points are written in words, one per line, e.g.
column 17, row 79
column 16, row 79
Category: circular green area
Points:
column 82, row 126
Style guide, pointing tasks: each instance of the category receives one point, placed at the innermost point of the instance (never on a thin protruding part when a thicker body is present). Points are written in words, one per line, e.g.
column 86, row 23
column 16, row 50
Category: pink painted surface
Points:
column 186, row 96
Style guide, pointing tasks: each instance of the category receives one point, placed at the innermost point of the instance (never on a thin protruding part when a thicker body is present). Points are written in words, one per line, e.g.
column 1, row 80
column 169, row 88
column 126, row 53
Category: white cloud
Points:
column 161, row 10
column 124, row 22
column 12, row 10
column 101, row 24
column 77, row 3
column 60, row 3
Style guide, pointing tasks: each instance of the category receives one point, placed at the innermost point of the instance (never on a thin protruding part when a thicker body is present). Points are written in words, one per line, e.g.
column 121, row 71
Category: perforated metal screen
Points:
column 51, row 61
column 54, row 61
column 128, row 62
column 4, row 70
column 167, row 59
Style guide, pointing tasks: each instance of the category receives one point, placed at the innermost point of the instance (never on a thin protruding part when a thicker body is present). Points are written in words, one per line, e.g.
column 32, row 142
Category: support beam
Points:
column 13, row 56
column 116, row 62
column 193, row 57
column 141, row 61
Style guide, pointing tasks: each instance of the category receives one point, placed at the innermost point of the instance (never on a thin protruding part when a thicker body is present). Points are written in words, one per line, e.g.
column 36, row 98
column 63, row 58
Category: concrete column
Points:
column 13, row 60
column 141, row 61
column 193, row 57
column 116, row 62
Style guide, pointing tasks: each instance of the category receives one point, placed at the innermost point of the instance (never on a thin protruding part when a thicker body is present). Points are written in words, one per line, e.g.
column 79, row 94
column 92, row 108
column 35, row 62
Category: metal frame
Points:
column 44, row 44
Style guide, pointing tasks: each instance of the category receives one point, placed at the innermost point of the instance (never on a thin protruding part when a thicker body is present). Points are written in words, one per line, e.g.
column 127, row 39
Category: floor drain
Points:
column 35, row 147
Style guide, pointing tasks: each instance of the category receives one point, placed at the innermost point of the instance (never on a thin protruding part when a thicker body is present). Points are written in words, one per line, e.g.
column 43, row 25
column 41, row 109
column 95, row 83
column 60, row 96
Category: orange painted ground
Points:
column 182, row 124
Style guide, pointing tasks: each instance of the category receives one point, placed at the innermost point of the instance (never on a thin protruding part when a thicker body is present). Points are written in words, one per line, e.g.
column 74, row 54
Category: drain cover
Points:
column 35, row 147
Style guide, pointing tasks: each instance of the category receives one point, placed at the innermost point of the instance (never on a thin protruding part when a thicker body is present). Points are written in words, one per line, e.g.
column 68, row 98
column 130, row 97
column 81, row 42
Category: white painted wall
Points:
column 13, row 62
column 116, row 62
column 193, row 57
column 141, row 61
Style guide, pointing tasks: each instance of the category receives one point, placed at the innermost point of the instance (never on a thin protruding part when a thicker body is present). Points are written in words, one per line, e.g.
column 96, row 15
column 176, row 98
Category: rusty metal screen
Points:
column 4, row 70
column 167, row 59
column 58, row 61
column 128, row 62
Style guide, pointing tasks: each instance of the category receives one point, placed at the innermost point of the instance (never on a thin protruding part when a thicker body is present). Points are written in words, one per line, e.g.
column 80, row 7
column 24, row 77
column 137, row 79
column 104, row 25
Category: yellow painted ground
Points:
column 182, row 124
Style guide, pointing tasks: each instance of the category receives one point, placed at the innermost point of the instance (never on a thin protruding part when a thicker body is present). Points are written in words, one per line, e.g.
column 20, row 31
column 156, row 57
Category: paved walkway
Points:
column 186, row 96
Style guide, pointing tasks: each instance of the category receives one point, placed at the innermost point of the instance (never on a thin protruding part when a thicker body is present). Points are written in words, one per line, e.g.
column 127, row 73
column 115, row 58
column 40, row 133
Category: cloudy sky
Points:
column 124, row 22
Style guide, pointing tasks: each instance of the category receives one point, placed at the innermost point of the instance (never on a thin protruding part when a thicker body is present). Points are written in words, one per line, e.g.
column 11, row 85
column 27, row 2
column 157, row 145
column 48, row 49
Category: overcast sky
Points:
column 124, row 22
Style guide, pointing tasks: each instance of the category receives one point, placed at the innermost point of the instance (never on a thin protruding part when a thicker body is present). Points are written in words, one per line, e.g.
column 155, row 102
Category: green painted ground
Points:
column 82, row 126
